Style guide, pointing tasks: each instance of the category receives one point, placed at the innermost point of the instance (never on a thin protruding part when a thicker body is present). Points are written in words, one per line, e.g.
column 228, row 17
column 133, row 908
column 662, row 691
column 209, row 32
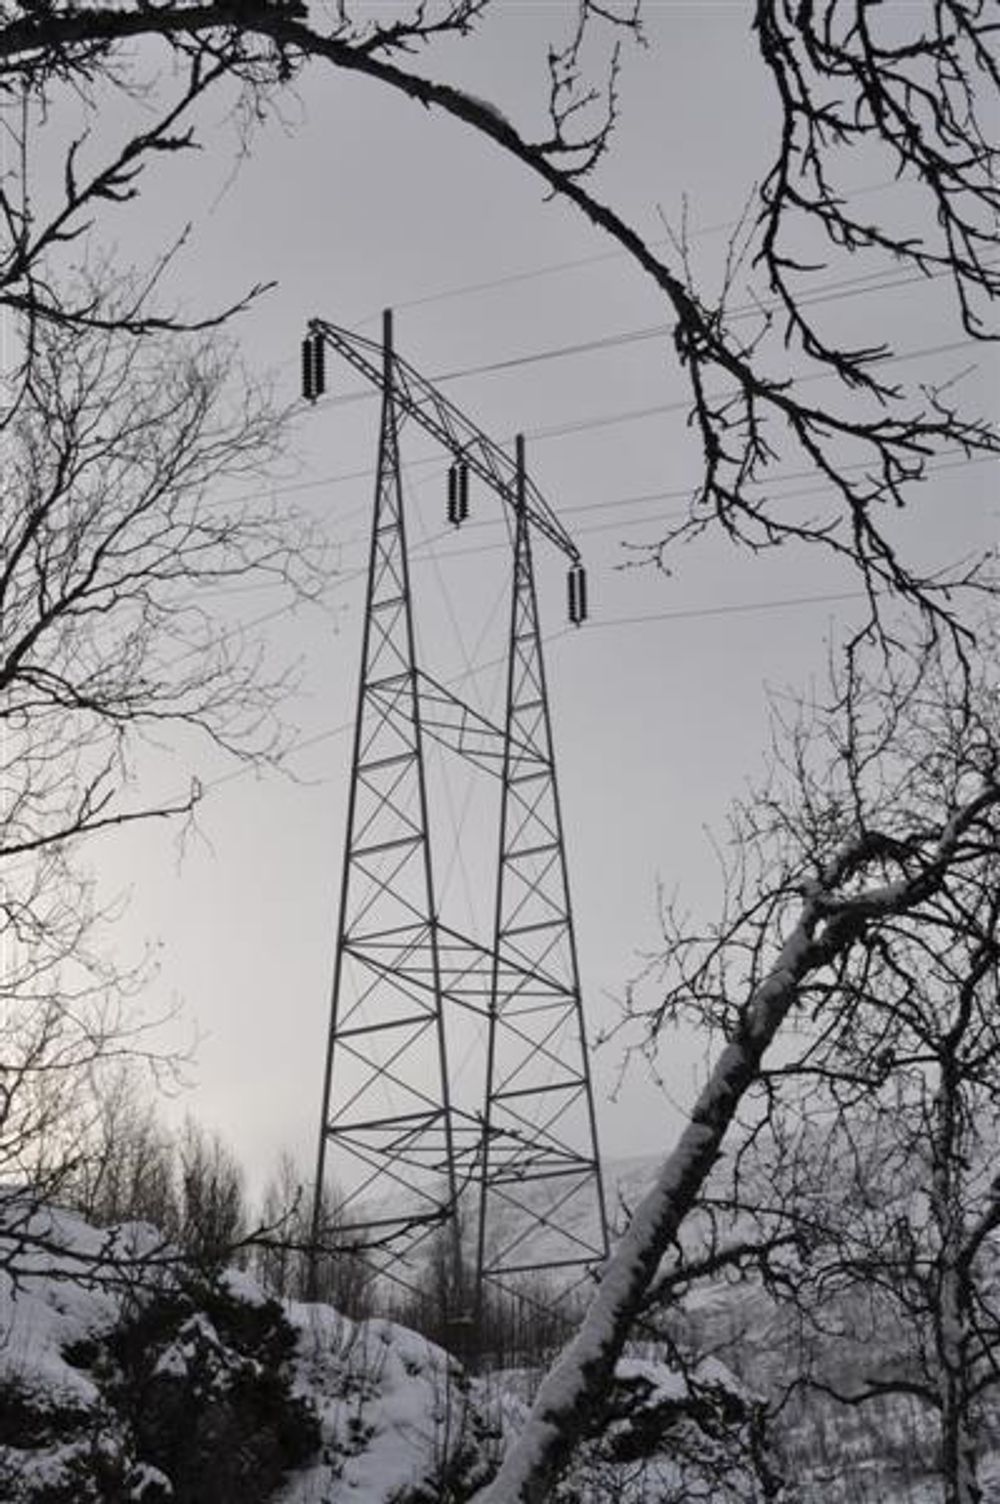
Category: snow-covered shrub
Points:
column 674, row 1435
column 201, row 1377
column 167, row 1386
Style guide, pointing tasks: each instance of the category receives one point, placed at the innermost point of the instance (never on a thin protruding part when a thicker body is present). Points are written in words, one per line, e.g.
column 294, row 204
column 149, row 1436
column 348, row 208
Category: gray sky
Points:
column 363, row 201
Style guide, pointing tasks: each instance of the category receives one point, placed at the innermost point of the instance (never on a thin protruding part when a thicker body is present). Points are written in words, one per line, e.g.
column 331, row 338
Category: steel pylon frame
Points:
column 540, row 1155
column 529, row 1149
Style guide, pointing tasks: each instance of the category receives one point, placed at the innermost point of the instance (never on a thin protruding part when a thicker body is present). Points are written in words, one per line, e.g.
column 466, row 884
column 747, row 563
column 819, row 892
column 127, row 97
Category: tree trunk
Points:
column 952, row 1316
column 572, row 1393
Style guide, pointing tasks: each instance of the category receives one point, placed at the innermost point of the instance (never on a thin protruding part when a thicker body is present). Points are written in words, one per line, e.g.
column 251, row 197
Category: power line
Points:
column 683, row 404
column 641, row 498
column 831, row 292
column 679, row 512
column 739, row 608
column 572, row 264
column 692, row 613
column 583, row 425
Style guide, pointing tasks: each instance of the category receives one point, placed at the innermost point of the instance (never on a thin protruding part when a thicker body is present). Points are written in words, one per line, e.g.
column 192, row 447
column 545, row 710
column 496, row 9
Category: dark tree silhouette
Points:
column 915, row 85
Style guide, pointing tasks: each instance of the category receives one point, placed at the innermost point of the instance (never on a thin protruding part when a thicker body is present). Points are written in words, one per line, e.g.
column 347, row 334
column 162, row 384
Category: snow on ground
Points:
column 62, row 1287
column 395, row 1410
column 397, row 1415
column 393, row 1406
column 55, row 1293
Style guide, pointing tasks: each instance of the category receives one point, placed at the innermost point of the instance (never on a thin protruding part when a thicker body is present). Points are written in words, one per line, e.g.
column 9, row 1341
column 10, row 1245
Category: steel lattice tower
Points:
column 406, row 1157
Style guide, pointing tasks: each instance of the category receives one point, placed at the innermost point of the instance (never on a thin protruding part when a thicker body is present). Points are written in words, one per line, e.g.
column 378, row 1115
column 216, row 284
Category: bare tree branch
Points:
column 851, row 894
column 924, row 95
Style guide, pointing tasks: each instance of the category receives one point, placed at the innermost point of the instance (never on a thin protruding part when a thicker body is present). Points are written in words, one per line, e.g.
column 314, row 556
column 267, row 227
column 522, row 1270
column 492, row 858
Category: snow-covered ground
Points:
column 105, row 1350
column 105, row 1333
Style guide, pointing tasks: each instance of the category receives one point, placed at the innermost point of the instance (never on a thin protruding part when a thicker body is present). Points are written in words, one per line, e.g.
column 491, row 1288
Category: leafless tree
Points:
column 884, row 1120
column 122, row 450
column 285, row 1259
column 128, row 1172
column 116, row 530
column 817, row 888
column 212, row 1212
column 280, row 1265
column 870, row 1142
column 917, row 86
column 112, row 538
column 66, row 1026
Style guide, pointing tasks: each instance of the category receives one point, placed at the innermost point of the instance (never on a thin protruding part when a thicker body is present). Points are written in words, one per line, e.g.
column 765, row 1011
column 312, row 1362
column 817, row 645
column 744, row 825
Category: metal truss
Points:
column 387, row 1128
column 541, row 1203
column 407, row 1161
column 415, row 397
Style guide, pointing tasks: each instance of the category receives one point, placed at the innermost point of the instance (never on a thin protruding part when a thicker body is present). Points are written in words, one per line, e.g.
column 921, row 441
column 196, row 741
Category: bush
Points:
column 195, row 1406
column 203, row 1379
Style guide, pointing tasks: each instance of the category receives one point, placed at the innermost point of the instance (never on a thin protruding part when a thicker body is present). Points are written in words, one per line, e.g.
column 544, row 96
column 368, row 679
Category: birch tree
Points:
column 884, row 1118
column 825, row 875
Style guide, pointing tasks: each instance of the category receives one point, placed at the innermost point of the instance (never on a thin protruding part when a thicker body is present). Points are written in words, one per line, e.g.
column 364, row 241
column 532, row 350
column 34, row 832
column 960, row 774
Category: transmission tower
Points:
column 513, row 1179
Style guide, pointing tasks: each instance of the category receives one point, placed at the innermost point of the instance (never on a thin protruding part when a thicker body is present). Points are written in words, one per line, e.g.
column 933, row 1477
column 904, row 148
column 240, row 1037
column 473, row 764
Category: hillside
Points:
column 883, row 1452
column 129, row 1377
column 828, row 1453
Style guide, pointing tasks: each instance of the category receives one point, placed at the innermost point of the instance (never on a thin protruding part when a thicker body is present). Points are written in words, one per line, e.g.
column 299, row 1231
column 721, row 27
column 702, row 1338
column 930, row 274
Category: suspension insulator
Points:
column 319, row 364
column 307, row 370
column 313, row 367
column 577, row 583
column 458, row 493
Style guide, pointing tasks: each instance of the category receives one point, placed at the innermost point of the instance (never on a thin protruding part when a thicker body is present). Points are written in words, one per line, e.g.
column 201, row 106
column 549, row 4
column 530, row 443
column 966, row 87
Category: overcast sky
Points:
column 359, row 201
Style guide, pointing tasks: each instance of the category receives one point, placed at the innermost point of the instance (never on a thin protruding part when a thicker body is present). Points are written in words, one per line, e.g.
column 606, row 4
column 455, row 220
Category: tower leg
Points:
column 385, row 1173
column 541, row 1204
